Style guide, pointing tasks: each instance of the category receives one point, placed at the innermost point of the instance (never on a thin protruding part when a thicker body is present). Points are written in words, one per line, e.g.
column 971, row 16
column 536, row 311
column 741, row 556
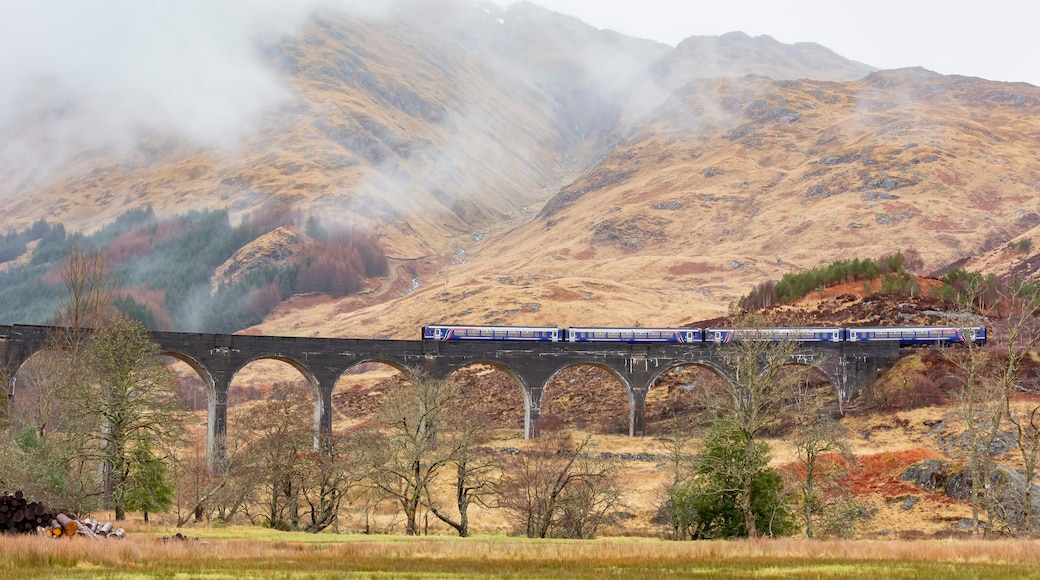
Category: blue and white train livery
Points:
column 913, row 335
column 527, row 333
column 802, row 334
column 905, row 335
column 605, row 334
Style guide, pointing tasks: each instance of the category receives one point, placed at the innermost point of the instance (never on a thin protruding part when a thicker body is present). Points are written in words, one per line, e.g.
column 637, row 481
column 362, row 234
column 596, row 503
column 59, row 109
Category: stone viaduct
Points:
column 217, row 357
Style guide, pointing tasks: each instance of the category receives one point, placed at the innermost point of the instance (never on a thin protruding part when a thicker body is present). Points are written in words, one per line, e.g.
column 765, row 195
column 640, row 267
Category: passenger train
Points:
column 905, row 335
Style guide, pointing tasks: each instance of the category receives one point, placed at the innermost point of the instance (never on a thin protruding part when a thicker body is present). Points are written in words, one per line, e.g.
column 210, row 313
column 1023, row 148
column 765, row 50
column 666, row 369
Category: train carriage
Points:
column 634, row 335
column 802, row 334
column 918, row 335
column 525, row 333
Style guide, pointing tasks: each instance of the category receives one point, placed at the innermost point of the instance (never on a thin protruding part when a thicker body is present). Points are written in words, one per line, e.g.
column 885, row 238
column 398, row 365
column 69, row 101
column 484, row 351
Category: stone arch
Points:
column 820, row 384
column 670, row 392
column 32, row 385
column 198, row 367
column 518, row 386
column 593, row 413
column 355, row 385
column 308, row 374
column 268, row 369
column 398, row 364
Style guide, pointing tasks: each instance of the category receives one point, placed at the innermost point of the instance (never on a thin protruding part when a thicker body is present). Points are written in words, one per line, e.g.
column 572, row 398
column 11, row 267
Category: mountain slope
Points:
column 522, row 167
column 742, row 180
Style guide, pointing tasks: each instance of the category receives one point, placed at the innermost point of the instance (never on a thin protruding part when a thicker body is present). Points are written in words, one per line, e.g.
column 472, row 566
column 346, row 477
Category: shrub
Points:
column 707, row 506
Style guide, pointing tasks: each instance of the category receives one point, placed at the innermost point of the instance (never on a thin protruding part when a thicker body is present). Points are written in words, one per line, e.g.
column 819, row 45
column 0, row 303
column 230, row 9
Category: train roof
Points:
column 776, row 328
column 901, row 327
column 679, row 328
column 491, row 326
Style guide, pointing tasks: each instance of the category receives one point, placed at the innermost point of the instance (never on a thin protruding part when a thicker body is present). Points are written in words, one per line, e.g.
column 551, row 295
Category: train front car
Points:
column 802, row 334
column 521, row 333
column 634, row 335
column 919, row 335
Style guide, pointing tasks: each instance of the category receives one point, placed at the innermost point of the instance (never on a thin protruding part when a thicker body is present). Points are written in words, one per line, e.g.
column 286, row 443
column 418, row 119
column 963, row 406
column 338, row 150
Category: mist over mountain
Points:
column 517, row 165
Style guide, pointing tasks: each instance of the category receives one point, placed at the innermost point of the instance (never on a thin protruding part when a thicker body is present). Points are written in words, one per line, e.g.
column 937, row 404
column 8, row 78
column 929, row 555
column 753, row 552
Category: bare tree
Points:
column 535, row 479
column 39, row 400
column 554, row 488
column 193, row 483
column 678, row 445
column 1021, row 306
column 477, row 469
column 237, row 487
column 987, row 381
column 276, row 431
column 979, row 406
column 827, row 507
column 411, row 451
column 198, row 490
column 592, row 500
column 328, row 476
column 88, row 296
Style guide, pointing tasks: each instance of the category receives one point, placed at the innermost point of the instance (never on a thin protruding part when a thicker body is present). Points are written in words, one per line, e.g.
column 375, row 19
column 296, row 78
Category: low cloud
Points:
column 76, row 75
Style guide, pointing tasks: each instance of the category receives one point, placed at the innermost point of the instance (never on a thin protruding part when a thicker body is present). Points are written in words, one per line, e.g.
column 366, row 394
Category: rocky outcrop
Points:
column 1002, row 497
column 276, row 248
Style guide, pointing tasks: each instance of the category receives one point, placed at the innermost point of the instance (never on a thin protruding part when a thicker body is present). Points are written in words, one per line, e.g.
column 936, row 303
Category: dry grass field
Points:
column 252, row 553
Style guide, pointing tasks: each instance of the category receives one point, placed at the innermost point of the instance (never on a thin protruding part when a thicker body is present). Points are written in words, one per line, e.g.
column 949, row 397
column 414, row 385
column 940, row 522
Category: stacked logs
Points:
column 60, row 525
column 19, row 516
column 90, row 528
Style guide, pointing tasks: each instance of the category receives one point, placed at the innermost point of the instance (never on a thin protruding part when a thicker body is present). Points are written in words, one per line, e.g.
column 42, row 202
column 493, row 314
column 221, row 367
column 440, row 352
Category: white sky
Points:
column 995, row 39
